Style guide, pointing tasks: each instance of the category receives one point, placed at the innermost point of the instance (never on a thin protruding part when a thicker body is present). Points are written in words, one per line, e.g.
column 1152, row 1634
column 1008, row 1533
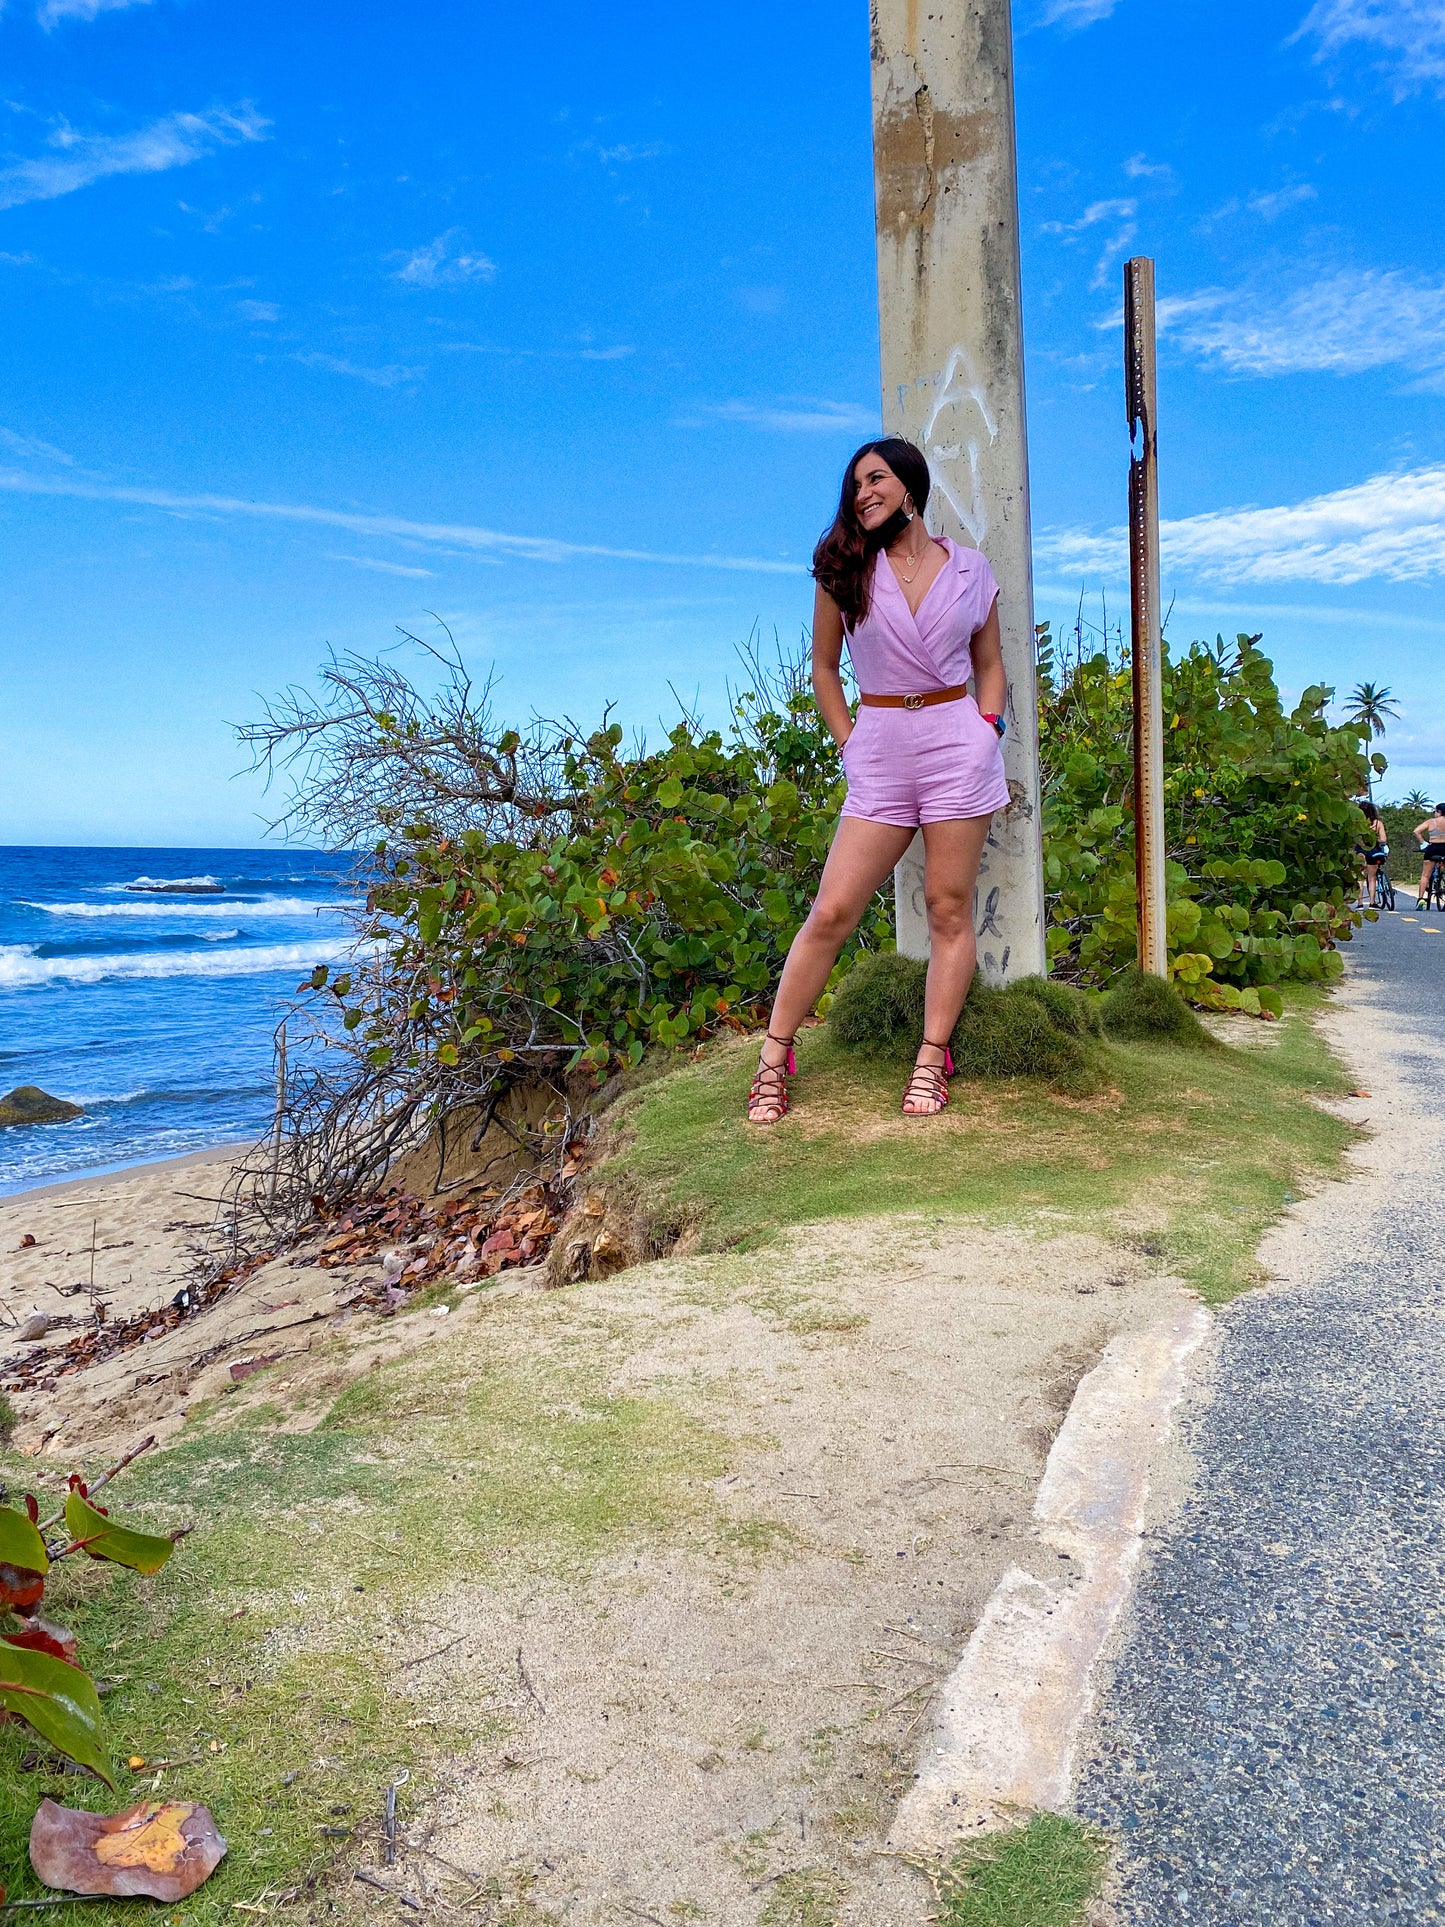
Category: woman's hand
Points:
column 827, row 667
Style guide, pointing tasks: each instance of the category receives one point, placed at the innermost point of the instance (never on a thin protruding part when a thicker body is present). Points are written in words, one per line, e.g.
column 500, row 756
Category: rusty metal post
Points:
column 1141, row 395
column 951, row 332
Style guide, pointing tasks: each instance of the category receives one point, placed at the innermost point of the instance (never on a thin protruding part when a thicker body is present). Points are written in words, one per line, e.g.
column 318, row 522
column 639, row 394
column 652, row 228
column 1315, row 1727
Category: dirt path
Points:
column 719, row 1728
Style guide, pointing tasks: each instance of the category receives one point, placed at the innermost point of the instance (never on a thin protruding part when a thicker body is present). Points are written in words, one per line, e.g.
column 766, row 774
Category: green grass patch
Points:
column 1192, row 1155
column 1032, row 1029
column 1041, row 1875
column 263, row 1656
column 1144, row 1009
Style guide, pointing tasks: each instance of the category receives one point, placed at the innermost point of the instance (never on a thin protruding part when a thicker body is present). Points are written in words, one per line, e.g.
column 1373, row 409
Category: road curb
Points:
column 1011, row 1711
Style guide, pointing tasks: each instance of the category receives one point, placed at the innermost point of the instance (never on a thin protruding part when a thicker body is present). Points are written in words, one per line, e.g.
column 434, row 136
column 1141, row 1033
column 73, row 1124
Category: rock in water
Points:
column 177, row 887
column 28, row 1104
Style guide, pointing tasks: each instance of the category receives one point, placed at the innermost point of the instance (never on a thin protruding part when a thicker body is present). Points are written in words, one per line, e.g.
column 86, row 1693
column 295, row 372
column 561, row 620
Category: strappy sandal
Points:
column 770, row 1086
column 929, row 1083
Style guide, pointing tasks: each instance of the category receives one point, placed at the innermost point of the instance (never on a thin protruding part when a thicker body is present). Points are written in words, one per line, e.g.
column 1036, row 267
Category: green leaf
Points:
column 59, row 1702
column 20, row 1542
column 102, row 1539
column 24, row 1562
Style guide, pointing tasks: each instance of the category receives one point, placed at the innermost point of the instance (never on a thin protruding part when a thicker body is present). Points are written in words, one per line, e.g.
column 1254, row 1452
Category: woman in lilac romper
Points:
column 919, row 617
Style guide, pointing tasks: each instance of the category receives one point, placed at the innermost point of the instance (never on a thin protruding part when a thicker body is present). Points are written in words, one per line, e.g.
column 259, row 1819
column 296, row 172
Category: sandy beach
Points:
column 95, row 1252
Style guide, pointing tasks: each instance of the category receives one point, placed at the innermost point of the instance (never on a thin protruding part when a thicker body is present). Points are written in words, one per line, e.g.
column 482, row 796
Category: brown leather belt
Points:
column 916, row 702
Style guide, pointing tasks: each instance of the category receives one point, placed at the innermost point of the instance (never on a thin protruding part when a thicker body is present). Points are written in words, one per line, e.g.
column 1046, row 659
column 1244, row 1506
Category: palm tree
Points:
column 1416, row 800
column 1373, row 707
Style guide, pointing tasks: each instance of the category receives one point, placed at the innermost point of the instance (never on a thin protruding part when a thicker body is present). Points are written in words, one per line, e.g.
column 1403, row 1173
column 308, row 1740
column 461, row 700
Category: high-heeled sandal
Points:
column 933, row 1080
column 770, row 1086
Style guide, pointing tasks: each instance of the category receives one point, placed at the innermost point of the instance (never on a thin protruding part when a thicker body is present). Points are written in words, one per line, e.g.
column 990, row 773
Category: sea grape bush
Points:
column 635, row 897
column 41, row 1681
column 657, row 906
column 1260, row 823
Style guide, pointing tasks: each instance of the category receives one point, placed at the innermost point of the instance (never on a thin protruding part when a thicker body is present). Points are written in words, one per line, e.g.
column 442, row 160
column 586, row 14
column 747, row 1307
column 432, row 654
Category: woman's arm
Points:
column 827, row 660
column 990, row 684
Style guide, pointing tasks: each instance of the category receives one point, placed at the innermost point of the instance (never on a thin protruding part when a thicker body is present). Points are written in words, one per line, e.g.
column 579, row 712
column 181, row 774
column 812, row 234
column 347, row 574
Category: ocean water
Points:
column 154, row 1012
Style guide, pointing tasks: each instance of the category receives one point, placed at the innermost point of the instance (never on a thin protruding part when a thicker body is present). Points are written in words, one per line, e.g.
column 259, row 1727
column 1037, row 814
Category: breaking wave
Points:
column 22, row 969
column 189, row 907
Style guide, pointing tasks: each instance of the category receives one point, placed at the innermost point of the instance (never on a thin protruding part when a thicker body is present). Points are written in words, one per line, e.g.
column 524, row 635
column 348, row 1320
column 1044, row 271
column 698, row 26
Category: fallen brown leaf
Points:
column 163, row 1848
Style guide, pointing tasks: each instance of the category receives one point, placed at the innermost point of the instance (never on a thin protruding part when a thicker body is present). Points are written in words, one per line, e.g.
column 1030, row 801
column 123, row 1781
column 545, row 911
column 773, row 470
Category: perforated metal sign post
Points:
column 951, row 329
column 1141, row 396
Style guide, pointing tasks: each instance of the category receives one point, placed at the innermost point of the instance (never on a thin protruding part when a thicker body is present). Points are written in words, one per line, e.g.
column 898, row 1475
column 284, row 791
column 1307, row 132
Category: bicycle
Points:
column 1434, row 897
column 1384, row 897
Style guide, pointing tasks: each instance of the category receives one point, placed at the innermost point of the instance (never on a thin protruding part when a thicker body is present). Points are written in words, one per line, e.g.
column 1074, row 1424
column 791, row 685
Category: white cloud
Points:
column 1270, row 206
column 1390, row 528
column 1352, row 320
column 51, row 12
column 791, row 414
column 390, row 376
column 624, row 153
column 259, row 310
column 443, row 261
column 441, row 536
column 79, row 159
column 619, row 352
column 29, row 449
column 1121, row 213
column 1140, row 168
column 383, row 568
column 1407, row 37
column 1075, row 13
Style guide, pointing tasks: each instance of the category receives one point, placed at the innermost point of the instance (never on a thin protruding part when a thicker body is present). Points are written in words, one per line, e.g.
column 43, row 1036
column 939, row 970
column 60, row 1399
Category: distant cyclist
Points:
column 1430, row 835
column 1373, row 850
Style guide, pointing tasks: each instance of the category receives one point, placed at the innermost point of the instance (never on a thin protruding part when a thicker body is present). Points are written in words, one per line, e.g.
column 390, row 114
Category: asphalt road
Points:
column 1272, row 1748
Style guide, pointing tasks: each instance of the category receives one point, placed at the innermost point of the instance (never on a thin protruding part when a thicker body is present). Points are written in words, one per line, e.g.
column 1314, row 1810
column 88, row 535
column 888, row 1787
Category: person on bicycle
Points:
column 1430, row 835
column 1372, row 849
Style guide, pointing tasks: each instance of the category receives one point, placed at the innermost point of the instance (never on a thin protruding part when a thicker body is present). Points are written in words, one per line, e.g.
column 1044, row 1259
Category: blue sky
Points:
column 559, row 323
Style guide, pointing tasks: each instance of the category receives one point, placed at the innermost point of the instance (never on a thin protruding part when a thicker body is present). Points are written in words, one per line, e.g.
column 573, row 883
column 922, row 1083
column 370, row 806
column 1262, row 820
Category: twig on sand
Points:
column 388, row 1823
column 392, row 1893
column 532, row 1692
column 641, row 1913
column 435, row 1653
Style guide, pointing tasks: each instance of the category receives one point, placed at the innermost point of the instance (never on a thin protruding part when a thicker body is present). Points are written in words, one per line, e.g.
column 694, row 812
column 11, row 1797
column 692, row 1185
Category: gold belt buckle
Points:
column 913, row 702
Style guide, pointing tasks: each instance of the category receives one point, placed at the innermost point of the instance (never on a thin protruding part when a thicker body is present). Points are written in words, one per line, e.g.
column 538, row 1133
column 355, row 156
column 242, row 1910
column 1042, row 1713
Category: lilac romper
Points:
column 912, row 766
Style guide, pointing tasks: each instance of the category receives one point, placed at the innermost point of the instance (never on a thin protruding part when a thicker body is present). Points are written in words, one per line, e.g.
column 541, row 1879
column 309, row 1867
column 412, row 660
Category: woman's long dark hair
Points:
column 843, row 559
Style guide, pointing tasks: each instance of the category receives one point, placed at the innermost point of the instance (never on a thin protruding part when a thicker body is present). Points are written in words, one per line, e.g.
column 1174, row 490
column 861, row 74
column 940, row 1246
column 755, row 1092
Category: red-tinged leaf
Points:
column 32, row 1508
column 95, row 1534
column 59, row 1702
column 44, row 1636
column 162, row 1848
column 24, row 1561
column 20, row 1587
column 246, row 1366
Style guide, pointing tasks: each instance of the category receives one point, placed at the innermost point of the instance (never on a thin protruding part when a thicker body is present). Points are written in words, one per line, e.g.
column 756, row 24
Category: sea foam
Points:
column 186, row 908
column 22, row 969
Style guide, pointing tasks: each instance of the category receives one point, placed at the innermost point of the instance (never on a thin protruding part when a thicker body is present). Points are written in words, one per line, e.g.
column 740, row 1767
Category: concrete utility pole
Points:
column 950, row 317
column 1141, row 397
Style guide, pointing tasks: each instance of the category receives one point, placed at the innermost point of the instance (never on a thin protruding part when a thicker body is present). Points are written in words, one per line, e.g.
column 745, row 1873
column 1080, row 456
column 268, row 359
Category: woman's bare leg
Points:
column 952, row 854
column 862, row 855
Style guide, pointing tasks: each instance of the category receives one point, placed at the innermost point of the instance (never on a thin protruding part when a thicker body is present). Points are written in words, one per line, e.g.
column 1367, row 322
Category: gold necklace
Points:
column 917, row 565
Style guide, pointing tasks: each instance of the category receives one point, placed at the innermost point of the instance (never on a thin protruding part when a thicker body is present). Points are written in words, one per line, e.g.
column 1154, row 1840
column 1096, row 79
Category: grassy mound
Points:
column 1032, row 1029
column 1146, row 1010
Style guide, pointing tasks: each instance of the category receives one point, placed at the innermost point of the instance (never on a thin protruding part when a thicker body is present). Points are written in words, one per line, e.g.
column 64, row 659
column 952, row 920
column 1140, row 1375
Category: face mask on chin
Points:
column 887, row 533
